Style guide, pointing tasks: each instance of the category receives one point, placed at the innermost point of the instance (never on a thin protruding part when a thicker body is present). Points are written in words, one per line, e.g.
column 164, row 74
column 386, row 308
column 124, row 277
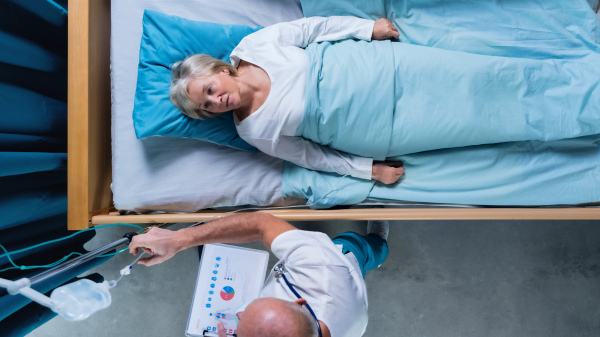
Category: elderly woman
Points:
column 265, row 88
column 336, row 107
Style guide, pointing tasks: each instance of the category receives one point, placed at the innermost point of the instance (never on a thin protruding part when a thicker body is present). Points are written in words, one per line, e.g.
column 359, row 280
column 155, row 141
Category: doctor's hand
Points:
column 384, row 30
column 221, row 330
column 162, row 244
column 387, row 172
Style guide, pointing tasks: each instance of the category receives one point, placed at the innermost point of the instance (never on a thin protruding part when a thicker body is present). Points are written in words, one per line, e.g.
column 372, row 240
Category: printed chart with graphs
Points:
column 229, row 277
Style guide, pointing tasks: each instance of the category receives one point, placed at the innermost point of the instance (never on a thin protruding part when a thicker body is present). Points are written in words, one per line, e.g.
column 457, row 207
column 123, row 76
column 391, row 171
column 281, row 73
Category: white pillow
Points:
column 170, row 174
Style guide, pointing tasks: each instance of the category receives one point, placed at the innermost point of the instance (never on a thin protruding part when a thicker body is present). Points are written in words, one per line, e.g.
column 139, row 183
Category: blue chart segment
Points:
column 227, row 293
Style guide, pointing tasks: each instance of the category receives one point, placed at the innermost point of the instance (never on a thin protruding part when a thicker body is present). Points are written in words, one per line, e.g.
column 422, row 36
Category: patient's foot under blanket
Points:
column 520, row 173
column 384, row 99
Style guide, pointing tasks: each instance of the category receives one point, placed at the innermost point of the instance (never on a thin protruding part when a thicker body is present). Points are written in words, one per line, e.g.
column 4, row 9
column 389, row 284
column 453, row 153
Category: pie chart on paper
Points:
column 227, row 293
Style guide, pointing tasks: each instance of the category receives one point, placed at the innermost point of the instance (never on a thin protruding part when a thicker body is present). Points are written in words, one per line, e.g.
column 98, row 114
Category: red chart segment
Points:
column 227, row 293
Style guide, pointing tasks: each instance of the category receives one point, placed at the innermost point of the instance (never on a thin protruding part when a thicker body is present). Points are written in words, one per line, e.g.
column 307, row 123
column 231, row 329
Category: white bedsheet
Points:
column 183, row 175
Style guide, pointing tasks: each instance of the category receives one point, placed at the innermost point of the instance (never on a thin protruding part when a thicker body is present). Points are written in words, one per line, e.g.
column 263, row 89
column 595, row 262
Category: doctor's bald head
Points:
column 272, row 317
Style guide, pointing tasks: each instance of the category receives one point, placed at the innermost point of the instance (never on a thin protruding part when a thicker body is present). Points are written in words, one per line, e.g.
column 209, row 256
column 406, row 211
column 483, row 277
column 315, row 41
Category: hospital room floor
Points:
column 441, row 279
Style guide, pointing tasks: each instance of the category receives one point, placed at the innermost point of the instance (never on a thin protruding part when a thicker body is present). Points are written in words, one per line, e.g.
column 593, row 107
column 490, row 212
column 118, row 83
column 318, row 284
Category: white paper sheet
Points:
column 229, row 277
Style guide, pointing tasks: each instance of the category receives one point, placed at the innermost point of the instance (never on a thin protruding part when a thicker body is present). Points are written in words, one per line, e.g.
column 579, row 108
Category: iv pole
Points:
column 80, row 260
column 88, row 256
column 23, row 285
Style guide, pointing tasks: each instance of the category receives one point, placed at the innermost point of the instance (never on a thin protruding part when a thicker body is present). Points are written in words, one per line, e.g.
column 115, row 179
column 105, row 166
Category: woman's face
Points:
column 217, row 93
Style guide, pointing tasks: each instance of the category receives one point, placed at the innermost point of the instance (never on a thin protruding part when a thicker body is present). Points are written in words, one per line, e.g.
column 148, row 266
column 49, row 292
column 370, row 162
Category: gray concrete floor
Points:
column 442, row 278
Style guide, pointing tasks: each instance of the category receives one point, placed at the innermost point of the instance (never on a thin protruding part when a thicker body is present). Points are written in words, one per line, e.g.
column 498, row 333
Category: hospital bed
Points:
column 174, row 175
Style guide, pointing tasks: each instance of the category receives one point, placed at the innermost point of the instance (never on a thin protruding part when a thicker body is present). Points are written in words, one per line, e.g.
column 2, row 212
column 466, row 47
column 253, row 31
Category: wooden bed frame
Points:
column 89, row 147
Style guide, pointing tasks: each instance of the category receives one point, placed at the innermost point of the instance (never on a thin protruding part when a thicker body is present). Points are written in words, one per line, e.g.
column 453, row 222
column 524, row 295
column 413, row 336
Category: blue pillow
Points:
column 167, row 39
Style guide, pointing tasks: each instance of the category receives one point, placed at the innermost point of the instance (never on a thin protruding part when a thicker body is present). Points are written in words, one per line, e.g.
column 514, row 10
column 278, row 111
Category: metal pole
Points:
column 76, row 261
column 85, row 258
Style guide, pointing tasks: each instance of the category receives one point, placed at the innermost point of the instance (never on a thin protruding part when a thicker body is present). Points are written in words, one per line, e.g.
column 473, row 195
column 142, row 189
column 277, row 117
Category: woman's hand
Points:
column 387, row 172
column 384, row 30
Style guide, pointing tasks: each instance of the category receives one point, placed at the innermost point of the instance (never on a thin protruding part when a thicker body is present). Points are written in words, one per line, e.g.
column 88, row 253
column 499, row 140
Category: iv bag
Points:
column 78, row 300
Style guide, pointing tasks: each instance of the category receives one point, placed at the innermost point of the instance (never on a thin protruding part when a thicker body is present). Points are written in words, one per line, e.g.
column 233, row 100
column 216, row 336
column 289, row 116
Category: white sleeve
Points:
column 298, row 247
column 301, row 32
column 316, row 157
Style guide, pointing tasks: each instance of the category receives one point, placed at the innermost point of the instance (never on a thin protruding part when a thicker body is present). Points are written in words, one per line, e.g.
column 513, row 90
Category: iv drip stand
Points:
column 78, row 260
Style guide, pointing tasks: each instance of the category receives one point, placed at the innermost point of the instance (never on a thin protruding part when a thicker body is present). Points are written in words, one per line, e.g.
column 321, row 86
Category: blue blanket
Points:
column 519, row 173
column 524, row 72
column 385, row 99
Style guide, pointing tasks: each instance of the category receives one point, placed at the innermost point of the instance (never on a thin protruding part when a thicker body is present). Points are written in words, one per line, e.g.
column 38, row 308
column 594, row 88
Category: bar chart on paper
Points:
column 228, row 277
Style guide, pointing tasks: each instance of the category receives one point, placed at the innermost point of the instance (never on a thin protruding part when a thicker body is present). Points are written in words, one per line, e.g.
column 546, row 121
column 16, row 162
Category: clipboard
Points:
column 228, row 277
column 207, row 333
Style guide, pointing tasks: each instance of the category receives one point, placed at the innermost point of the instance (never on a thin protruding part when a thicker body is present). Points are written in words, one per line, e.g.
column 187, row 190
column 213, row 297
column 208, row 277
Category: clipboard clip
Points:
column 207, row 333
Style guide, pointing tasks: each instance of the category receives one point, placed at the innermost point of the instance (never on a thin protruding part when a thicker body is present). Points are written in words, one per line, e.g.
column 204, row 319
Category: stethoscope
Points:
column 280, row 272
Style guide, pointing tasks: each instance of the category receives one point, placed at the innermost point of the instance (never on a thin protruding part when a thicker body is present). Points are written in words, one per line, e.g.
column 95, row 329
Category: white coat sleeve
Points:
column 316, row 157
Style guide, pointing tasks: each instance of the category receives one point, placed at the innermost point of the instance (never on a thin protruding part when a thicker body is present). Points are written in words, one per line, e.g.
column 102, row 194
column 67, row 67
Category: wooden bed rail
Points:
column 89, row 147
column 588, row 213
column 89, row 164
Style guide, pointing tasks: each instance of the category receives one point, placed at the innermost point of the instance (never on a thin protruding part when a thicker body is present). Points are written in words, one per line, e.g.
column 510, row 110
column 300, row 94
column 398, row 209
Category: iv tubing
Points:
column 96, row 253
column 76, row 261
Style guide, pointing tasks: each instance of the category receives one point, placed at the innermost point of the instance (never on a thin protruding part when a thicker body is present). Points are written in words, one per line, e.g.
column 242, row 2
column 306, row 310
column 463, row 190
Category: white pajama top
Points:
column 278, row 50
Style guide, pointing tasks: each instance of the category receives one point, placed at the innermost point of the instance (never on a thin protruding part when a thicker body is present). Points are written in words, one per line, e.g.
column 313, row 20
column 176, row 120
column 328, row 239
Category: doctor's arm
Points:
column 163, row 244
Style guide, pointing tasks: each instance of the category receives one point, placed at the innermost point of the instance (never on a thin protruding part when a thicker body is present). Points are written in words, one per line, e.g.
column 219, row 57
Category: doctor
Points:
column 328, row 275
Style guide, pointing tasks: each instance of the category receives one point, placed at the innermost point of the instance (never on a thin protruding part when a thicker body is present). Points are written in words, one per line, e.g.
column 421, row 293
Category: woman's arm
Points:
column 313, row 156
column 318, row 29
column 302, row 32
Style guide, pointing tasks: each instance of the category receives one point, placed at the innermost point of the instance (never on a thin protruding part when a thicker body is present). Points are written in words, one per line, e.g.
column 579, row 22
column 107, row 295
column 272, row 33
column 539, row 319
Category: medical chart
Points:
column 228, row 277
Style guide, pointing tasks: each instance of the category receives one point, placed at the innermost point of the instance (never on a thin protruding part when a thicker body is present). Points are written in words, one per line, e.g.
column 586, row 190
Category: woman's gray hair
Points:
column 195, row 66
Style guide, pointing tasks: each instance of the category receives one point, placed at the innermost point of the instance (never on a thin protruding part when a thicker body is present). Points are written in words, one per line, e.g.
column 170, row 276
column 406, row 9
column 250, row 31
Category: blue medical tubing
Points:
column 75, row 262
column 82, row 258
column 307, row 306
